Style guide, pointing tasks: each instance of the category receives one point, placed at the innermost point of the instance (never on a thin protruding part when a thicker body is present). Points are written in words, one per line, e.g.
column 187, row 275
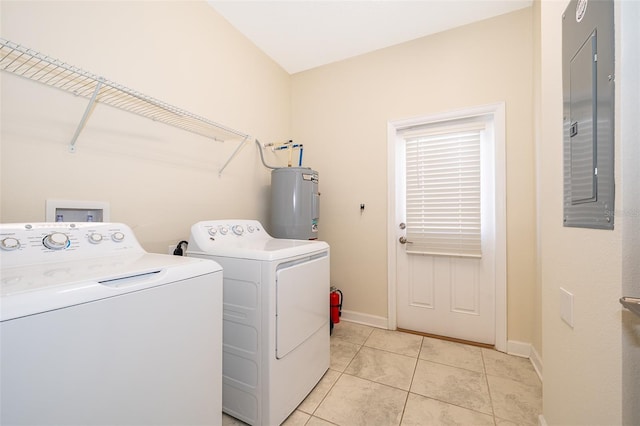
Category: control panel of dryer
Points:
column 29, row 243
column 233, row 229
column 245, row 239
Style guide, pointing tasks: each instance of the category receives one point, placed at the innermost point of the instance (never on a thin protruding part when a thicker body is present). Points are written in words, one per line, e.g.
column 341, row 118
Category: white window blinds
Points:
column 443, row 209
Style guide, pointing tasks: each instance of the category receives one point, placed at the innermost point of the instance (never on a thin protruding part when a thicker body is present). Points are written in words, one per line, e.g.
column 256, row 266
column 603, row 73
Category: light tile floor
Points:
column 387, row 378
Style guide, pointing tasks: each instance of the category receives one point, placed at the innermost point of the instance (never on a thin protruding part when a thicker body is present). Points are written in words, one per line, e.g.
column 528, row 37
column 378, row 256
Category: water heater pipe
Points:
column 290, row 146
column 287, row 145
column 262, row 157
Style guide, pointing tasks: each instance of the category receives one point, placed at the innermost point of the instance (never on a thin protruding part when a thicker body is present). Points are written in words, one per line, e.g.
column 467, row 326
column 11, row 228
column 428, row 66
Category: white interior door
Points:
column 442, row 292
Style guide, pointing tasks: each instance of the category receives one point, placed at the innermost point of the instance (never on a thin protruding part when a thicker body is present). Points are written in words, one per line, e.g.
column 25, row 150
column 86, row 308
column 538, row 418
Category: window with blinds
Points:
column 443, row 209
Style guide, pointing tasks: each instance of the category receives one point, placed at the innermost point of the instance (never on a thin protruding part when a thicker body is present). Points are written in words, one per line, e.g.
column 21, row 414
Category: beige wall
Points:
column 157, row 179
column 583, row 365
column 536, row 340
column 341, row 111
column 628, row 86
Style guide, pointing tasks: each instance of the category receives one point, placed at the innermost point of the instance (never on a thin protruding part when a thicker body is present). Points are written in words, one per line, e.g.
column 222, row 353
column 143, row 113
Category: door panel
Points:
column 464, row 286
column 422, row 288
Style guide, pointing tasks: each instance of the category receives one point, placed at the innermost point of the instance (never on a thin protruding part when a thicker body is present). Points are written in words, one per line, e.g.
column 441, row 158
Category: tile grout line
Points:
column 312, row 414
column 415, row 368
column 453, row 366
column 391, row 352
column 486, row 379
column 340, row 374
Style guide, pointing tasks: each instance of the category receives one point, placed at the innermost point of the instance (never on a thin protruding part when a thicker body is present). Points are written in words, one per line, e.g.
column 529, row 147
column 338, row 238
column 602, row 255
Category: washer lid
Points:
column 28, row 290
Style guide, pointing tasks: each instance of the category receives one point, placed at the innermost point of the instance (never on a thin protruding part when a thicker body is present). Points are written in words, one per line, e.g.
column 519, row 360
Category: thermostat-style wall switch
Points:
column 588, row 93
column 76, row 211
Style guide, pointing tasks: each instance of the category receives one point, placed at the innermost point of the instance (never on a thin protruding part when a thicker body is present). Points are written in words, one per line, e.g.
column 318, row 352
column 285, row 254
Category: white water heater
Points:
column 295, row 203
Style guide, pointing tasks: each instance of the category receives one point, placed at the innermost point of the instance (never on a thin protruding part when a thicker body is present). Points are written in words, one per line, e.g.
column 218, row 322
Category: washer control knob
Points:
column 237, row 229
column 250, row 228
column 224, row 230
column 95, row 238
column 213, row 232
column 56, row 241
column 118, row 237
column 10, row 243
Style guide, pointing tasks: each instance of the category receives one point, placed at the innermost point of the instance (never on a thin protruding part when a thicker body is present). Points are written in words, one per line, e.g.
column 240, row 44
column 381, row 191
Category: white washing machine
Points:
column 275, row 317
column 96, row 331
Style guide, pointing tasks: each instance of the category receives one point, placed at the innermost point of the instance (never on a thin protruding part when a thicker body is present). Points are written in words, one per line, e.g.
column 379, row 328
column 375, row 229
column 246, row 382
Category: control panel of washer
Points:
column 28, row 243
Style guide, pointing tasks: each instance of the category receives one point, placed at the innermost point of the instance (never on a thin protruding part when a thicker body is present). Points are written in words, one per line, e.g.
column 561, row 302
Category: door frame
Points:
column 498, row 112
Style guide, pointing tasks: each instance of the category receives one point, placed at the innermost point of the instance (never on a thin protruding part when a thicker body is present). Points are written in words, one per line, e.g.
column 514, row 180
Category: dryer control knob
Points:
column 213, row 232
column 224, row 230
column 237, row 229
column 118, row 237
column 56, row 241
column 250, row 228
column 95, row 238
column 10, row 243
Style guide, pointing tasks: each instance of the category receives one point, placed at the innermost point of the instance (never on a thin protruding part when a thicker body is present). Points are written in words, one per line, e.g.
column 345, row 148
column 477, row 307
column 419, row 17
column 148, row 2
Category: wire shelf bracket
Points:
column 85, row 117
column 28, row 63
column 233, row 155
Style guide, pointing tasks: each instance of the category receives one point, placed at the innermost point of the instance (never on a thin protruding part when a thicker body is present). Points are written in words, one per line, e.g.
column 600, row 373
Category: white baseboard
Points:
column 365, row 319
column 541, row 420
column 536, row 360
column 518, row 348
column 526, row 350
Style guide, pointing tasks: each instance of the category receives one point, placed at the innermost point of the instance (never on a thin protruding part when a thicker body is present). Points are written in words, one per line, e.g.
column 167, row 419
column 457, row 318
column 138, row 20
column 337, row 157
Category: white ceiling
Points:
column 303, row 34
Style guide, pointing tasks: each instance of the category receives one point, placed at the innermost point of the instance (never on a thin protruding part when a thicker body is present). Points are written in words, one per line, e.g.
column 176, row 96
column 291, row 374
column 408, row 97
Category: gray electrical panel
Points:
column 588, row 123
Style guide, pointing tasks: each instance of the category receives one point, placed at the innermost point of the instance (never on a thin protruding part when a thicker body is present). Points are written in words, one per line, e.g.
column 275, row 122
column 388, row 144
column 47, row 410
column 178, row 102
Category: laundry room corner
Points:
column 157, row 178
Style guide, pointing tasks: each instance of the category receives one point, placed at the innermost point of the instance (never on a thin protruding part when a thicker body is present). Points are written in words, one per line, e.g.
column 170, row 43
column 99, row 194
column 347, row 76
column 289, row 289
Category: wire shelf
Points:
column 35, row 66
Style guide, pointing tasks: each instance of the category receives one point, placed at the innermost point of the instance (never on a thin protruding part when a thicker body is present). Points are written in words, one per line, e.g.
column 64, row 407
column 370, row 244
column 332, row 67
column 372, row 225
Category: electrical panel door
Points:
column 588, row 90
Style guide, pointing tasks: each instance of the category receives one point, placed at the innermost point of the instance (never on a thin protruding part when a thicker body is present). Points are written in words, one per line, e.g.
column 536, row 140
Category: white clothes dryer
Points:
column 94, row 330
column 275, row 317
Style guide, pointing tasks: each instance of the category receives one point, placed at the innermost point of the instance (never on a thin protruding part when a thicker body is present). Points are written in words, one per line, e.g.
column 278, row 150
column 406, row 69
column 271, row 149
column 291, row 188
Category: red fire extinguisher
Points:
column 335, row 302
